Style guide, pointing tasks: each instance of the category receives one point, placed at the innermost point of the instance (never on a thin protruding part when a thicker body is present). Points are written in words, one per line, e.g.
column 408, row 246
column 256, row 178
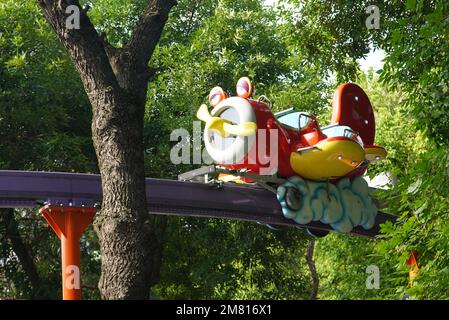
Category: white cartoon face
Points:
column 230, row 128
column 231, row 131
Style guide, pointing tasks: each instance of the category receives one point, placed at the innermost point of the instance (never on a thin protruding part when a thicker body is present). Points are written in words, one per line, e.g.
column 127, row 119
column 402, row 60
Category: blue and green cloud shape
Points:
column 343, row 205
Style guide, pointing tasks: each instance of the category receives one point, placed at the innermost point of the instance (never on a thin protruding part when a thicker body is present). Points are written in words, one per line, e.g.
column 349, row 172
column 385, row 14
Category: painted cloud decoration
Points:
column 344, row 205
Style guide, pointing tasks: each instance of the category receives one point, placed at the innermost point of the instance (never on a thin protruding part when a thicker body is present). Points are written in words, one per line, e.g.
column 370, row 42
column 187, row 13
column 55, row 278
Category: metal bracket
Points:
column 202, row 175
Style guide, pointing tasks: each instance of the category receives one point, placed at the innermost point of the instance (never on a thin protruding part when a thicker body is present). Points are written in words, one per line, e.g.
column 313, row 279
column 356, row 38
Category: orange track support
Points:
column 69, row 224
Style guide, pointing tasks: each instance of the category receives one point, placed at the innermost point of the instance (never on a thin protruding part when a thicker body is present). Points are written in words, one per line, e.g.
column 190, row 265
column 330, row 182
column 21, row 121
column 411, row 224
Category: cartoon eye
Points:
column 216, row 95
column 245, row 88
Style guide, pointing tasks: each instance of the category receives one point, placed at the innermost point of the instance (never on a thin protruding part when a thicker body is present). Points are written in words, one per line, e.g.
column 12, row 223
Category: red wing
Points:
column 352, row 108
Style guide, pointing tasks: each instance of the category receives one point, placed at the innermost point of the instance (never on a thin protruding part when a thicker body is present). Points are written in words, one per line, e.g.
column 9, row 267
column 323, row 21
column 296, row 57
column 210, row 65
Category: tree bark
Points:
column 116, row 80
column 312, row 268
column 23, row 253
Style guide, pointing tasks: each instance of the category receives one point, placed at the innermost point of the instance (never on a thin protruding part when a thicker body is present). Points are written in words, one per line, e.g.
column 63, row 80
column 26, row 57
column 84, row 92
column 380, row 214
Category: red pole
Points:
column 70, row 261
column 69, row 224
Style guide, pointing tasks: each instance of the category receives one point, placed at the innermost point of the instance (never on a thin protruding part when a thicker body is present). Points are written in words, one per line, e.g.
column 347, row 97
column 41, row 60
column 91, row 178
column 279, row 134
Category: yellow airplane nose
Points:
column 329, row 158
column 224, row 127
column 218, row 125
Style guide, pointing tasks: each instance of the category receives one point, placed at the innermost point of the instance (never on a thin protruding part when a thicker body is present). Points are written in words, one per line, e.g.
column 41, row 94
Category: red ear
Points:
column 217, row 95
column 244, row 88
column 352, row 108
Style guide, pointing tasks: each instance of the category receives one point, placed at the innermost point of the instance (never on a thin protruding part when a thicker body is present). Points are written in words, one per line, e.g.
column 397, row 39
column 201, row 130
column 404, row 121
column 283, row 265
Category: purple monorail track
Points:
column 28, row 189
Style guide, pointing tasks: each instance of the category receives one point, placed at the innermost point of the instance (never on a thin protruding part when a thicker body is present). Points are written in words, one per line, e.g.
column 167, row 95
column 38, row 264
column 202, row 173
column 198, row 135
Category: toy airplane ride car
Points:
column 318, row 171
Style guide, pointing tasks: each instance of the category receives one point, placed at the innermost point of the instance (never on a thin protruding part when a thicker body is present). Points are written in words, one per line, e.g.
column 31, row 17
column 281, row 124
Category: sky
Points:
column 373, row 59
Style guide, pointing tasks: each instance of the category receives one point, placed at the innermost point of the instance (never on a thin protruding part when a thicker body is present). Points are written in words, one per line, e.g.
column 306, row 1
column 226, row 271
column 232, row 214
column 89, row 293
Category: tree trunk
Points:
column 312, row 268
column 129, row 246
column 116, row 80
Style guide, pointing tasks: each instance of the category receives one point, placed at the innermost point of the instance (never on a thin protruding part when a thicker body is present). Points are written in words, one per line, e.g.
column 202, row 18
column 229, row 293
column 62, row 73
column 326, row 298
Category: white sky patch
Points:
column 374, row 60
column 270, row 2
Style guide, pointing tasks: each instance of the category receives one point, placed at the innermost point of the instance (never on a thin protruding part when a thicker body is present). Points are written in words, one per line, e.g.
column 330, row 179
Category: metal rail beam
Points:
column 27, row 189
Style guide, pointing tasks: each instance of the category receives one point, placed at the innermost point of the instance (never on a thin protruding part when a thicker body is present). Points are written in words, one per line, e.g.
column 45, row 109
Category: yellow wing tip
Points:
column 375, row 153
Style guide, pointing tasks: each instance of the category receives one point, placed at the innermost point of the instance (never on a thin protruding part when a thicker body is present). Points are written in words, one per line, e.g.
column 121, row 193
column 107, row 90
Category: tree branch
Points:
column 312, row 268
column 22, row 252
column 148, row 32
column 85, row 46
column 195, row 7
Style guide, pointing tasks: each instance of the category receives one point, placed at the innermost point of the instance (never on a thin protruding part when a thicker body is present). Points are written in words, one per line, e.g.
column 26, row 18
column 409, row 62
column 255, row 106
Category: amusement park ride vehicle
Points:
column 317, row 172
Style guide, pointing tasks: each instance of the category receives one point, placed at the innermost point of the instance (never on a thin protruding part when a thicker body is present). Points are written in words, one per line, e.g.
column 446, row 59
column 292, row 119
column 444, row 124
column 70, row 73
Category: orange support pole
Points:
column 69, row 224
